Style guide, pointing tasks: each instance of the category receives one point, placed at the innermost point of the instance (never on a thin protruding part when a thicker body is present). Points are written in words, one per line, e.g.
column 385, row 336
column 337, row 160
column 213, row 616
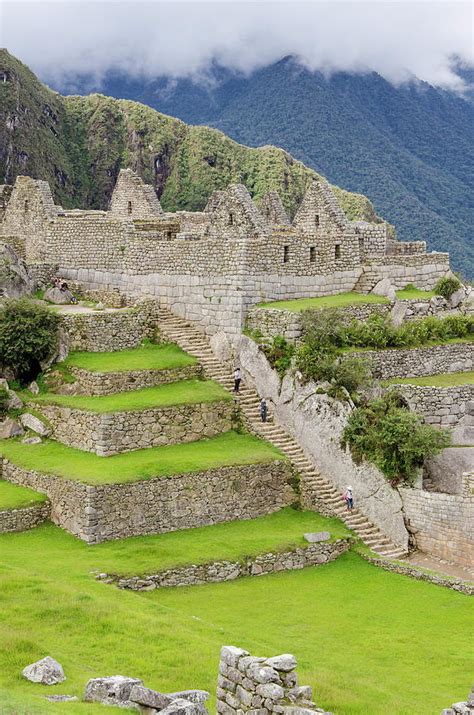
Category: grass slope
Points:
column 13, row 496
column 165, row 356
column 340, row 300
column 184, row 392
column 414, row 294
column 388, row 636
column 445, row 380
column 224, row 450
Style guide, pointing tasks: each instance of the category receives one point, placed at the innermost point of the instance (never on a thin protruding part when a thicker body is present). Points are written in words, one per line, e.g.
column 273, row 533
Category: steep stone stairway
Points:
column 316, row 491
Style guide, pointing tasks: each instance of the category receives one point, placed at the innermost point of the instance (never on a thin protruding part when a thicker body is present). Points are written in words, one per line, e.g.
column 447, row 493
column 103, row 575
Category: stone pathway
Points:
column 316, row 491
column 442, row 567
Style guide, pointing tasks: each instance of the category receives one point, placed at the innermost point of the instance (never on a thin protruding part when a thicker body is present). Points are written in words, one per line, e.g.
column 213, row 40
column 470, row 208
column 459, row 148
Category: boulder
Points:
column 384, row 288
column 180, row 706
column 398, row 312
column 31, row 440
column 112, row 690
column 33, row 388
column 15, row 281
column 457, row 297
column 58, row 297
column 33, row 423
column 10, row 428
column 149, row 698
column 447, row 468
column 315, row 537
column 4, row 384
column 46, row 671
column 14, row 402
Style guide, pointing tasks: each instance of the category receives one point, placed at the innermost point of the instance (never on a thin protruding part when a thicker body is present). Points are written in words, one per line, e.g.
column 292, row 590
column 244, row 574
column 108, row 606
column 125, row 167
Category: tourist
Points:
column 237, row 379
column 263, row 410
column 349, row 499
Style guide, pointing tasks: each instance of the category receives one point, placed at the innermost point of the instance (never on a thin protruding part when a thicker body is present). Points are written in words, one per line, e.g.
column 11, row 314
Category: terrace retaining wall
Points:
column 97, row 513
column 108, row 383
column 115, row 432
column 440, row 406
column 219, row 571
column 417, row 362
column 25, row 518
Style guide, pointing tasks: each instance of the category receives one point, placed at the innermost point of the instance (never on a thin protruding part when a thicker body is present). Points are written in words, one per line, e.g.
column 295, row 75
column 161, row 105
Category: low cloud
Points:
column 400, row 40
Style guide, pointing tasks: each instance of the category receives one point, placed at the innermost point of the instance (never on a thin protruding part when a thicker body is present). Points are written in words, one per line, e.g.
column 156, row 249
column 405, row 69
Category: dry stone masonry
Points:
column 107, row 383
column 440, row 406
column 261, row 686
column 24, row 519
column 210, row 266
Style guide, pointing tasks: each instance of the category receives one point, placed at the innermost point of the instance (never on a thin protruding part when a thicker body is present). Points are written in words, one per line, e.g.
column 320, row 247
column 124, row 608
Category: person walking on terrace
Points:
column 237, row 379
column 349, row 498
column 263, row 410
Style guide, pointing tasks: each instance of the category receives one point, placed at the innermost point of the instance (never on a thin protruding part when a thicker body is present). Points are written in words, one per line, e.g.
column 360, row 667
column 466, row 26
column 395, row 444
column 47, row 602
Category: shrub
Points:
column 352, row 372
column 28, row 336
column 447, row 286
column 392, row 438
column 3, row 402
column 279, row 353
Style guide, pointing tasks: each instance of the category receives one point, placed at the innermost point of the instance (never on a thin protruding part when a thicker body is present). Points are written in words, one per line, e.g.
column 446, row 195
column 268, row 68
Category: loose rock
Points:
column 46, row 671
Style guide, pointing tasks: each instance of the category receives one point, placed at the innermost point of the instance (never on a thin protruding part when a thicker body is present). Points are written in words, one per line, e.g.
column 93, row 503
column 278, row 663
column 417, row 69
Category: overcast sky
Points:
column 397, row 39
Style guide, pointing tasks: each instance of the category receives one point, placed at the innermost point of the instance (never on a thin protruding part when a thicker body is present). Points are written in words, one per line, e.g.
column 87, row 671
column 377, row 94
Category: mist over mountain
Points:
column 409, row 148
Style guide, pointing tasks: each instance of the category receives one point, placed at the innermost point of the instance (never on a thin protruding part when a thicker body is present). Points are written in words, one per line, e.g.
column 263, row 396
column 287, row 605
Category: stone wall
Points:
column 105, row 331
column 440, row 406
column 441, row 524
column 24, row 519
column 247, row 684
column 455, row 584
column 114, row 432
column 219, row 571
column 108, row 383
column 416, row 362
column 158, row 505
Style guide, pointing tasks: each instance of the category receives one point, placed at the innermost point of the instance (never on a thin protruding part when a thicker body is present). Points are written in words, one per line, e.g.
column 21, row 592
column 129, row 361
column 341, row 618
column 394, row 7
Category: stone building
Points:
column 210, row 266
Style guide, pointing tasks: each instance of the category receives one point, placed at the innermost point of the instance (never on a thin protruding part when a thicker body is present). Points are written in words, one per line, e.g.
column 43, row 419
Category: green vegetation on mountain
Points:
column 78, row 144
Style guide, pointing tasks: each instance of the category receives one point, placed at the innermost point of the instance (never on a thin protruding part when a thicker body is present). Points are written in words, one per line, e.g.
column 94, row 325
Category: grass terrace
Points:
column 412, row 293
column 149, row 356
column 183, row 392
column 389, row 636
column 13, row 496
column 341, row 300
column 445, row 380
column 225, row 450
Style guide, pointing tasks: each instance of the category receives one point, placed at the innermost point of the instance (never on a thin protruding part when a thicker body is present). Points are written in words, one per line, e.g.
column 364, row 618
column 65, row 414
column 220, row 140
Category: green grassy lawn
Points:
column 146, row 357
column 184, row 392
column 13, row 496
column 414, row 293
column 224, row 450
column 341, row 300
column 387, row 636
column 446, row 380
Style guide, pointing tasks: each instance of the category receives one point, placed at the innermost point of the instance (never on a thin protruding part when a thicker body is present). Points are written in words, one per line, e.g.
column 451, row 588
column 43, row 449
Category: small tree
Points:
column 28, row 336
column 447, row 286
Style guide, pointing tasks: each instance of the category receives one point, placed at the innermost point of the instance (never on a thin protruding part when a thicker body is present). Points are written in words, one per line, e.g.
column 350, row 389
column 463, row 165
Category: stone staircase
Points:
column 316, row 491
column 368, row 279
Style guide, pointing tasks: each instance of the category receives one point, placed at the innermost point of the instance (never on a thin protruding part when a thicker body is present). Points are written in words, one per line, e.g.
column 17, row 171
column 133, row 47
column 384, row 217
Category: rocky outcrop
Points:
column 15, row 281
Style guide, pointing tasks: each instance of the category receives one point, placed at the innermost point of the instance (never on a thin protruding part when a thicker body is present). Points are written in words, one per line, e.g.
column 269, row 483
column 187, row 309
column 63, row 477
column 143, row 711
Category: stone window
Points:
column 316, row 220
column 312, row 254
column 337, row 251
column 27, row 205
column 361, row 245
column 129, row 207
column 286, row 254
column 231, row 219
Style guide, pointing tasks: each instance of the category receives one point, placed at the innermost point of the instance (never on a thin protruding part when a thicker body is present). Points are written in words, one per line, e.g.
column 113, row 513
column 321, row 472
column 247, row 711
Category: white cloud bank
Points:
column 398, row 39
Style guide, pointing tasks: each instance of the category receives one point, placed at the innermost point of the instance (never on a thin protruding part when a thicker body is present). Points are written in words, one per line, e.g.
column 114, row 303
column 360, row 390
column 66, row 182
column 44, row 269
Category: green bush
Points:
column 3, row 402
column 28, row 336
column 393, row 438
column 352, row 372
column 447, row 286
column 279, row 353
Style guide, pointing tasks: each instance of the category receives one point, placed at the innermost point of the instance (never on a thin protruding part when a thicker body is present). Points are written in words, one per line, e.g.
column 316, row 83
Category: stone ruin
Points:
column 465, row 707
column 209, row 266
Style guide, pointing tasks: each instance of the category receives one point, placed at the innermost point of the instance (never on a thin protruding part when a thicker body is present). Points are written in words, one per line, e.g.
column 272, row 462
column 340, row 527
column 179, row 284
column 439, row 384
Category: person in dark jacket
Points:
column 263, row 410
column 237, row 379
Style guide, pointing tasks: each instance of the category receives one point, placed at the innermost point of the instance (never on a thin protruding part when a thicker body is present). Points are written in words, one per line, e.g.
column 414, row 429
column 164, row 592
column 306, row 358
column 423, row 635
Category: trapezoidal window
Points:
column 129, row 207
column 312, row 254
column 361, row 244
column 231, row 219
column 286, row 254
column 316, row 220
column 337, row 251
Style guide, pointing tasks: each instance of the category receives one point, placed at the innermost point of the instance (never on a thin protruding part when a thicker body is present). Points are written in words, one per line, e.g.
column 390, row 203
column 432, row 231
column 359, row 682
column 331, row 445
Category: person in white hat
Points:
column 348, row 496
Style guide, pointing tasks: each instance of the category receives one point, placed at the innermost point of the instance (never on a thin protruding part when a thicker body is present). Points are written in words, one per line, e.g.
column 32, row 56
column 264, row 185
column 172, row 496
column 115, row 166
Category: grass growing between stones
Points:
column 451, row 379
column 368, row 641
column 13, row 496
column 341, row 300
column 183, row 392
column 164, row 356
column 225, row 450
